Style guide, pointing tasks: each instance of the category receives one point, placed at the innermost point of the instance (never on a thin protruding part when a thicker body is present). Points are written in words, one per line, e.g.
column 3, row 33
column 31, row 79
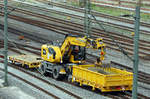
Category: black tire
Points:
column 55, row 73
column 42, row 69
column 70, row 78
column 26, row 66
column 10, row 61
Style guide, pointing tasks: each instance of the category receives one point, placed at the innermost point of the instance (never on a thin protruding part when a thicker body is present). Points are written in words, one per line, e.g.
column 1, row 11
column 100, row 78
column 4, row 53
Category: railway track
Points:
column 110, row 95
column 43, row 80
column 31, row 84
column 129, row 29
column 69, row 27
column 125, row 28
column 125, row 4
column 98, row 14
column 118, row 6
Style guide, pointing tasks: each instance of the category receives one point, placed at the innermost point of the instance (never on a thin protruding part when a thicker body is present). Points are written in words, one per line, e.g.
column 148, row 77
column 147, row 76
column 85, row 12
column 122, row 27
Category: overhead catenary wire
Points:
column 87, row 23
column 14, row 8
column 122, row 50
column 19, row 5
column 9, row 12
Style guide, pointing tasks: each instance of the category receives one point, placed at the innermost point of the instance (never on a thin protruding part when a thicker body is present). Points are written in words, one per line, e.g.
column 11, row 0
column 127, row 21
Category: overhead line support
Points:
column 87, row 15
column 5, row 42
column 136, row 51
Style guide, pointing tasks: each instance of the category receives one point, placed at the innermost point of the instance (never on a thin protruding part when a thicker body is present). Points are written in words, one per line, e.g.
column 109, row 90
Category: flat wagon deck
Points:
column 30, row 61
column 106, row 79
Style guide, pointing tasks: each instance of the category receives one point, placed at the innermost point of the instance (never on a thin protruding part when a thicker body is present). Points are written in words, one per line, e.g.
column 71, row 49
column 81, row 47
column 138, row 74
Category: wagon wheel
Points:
column 42, row 69
column 55, row 73
column 10, row 61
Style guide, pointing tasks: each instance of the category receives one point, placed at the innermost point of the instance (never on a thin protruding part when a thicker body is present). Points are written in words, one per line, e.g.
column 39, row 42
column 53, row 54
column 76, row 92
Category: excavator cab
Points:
column 78, row 54
column 74, row 54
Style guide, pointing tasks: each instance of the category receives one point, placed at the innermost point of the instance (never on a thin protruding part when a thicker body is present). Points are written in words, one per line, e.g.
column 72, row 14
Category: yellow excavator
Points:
column 58, row 59
column 67, row 60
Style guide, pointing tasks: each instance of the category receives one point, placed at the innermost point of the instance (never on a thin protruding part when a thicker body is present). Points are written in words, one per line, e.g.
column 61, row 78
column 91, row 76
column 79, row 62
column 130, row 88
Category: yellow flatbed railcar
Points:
column 29, row 60
column 105, row 79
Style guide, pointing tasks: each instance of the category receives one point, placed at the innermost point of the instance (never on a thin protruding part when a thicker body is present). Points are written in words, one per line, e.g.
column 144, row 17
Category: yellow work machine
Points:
column 67, row 60
column 59, row 59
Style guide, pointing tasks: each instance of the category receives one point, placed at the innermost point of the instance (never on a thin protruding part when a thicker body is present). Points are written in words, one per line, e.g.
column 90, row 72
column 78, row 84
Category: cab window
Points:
column 51, row 51
column 44, row 52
